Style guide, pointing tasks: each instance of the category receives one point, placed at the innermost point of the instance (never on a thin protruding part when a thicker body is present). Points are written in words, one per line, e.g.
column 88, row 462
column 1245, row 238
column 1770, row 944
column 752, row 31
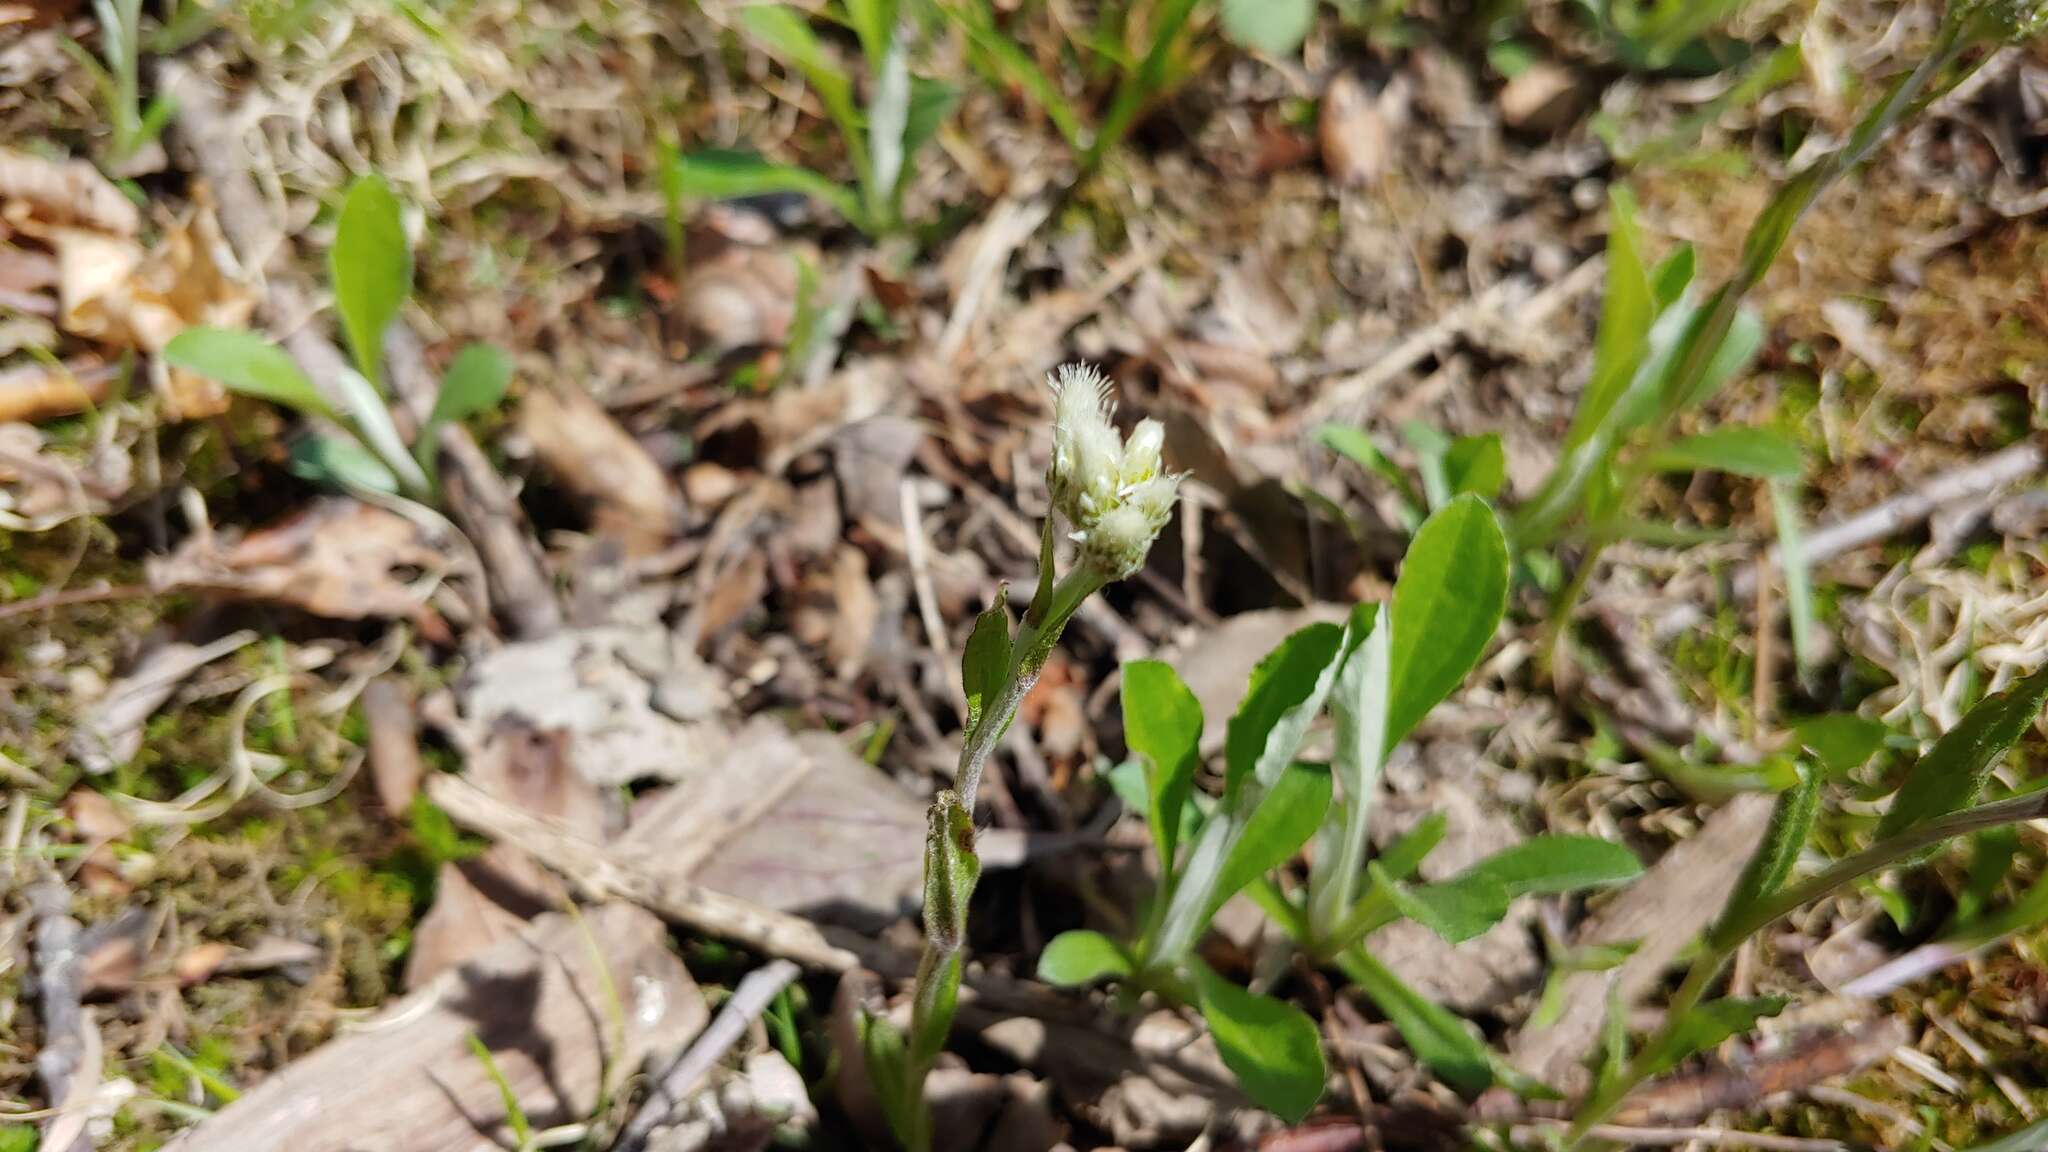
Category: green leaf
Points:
column 1992, row 853
column 341, row 463
column 1011, row 65
column 1275, row 27
column 1798, row 573
column 1163, row 724
column 951, row 870
column 19, row 1138
column 1436, row 1036
column 1287, row 689
column 474, row 383
column 1355, row 446
column 2032, row 1138
column 370, row 267
column 1476, row 464
column 1358, row 711
column 1075, row 959
column 1843, row 741
column 888, row 1065
column 784, row 34
column 248, row 365
column 1737, row 351
column 1456, row 910
column 874, row 21
column 1478, row 898
column 1271, row 1045
column 1288, row 814
column 930, row 103
column 1706, row 1026
column 722, row 174
column 1948, row 778
column 1735, row 449
column 1772, row 863
column 508, row 1097
column 371, row 422
column 1401, row 858
column 1625, row 316
column 1672, row 276
column 1447, row 603
column 985, row 662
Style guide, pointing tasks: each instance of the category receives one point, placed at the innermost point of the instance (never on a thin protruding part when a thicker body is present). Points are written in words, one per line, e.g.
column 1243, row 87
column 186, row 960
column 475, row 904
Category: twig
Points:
column 1889, row 517
column 60, row 977
column 755, row 992
column 1543, row 1132
column 600, row 875
column 914, row 552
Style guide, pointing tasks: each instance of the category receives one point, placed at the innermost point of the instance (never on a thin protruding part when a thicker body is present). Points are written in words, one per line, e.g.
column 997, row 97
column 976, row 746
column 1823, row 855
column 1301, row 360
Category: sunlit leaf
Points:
column 370, row 267
column 1275, row 27
column 718, row 174
column 1078, row 958
column 1437, row 1037
column 1948, row 778
column 1163, row 724
column 1447, row 603
column 1735, row 449
column 1271, row 1045
column 246, row 364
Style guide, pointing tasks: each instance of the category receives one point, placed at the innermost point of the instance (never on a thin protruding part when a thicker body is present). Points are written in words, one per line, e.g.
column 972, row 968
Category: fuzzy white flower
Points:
column 1112, row 492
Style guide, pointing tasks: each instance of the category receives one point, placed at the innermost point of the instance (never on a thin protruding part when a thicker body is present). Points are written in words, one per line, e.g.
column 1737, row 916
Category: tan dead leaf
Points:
column 111, row 290
column 35, row 392
column 63, row 191
column 855, row 611
column 632, row 499
column 1543, row 97
column 94, row 817
column 338, row 558
column 1354, row 132
column 197, row 964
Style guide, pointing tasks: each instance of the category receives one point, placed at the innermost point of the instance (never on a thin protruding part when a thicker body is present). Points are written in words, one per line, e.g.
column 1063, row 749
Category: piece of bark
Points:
column 1671, row 905
column 212, row 145
column 408, row 1081
column 631, row 499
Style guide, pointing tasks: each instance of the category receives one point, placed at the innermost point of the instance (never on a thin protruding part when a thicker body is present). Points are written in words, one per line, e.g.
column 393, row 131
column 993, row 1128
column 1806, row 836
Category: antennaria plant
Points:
column 370, row 269
column 1378, row 675
column 1114, row 497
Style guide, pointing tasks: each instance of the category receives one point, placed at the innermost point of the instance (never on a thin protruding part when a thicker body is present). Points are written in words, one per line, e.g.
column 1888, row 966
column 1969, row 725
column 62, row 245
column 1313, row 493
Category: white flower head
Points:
column 1113, row 493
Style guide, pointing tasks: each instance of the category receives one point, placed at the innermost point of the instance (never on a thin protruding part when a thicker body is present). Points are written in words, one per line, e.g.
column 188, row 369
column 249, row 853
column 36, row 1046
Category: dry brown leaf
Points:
column 35, row 392
column 40, row 489
column 632, row 499
column 339, row 558
column 1355, row 137
column 1543, row 97
column 63, row 191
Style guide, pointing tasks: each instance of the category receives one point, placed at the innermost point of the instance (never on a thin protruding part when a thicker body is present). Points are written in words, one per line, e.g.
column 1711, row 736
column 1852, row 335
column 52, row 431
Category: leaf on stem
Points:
column 245, row 363
column 1077, row 958
column 474, row 383
column 985, row 662
column 1163, row 724
column 1705, row 1027
column 1735, row 449
column 1476, row 899
column 1287, row 689
column 1271, row 1045
column 1287, row 815
column 1771, row 865
column 1949, row 777
column 1625, row 315
column 1447, row 603
column 1436, row 1036
column 1843, row 741
column 723, row 174
column 1798, row 573
column 370, row 267
column 1476, row 464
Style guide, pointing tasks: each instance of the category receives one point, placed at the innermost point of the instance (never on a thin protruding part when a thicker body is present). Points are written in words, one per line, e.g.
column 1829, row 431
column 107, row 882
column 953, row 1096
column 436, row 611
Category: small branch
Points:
column 755, row 992
column 1889, row 517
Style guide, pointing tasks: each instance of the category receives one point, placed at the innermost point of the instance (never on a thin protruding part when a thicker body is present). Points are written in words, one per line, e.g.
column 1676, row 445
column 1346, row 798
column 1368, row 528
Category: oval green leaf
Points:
column 246, row 364
column 1271, row 1045
column 1447, row 603
column 474, row 383
column 370, row 267
column 1075, row 959
column 1163, row 724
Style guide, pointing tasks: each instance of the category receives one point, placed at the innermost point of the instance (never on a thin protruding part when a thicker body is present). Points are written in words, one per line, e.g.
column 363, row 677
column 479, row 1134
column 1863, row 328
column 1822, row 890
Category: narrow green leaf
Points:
column 1271, row 1045
column 371, row 421
column 1288, row 814
column 1163, row 724
column 874, row 21
column 985, row 662
column 1761, row 452
column 474, row 383
column 1355, row 446
column 1476, row 464
column 246, row 364
column 1672, row 276
column 1625, row 315
column 1405, row 855
column 1011, row 65
column 1737, row 351
column 720, row 174
column 1358, row 711
column 1287, row 689
column 1275, row 27
column 931, row 102
column 1772, row 863
column 1843, row 741
column 1798, row 573
column 1436, row 1036
column 784, row 34
column 1078, row 958
column 1707, row 1025
column 1447, row 604
column 515, row 1116
column 1948, row 778
column 1478, row 898
column 370, row 267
